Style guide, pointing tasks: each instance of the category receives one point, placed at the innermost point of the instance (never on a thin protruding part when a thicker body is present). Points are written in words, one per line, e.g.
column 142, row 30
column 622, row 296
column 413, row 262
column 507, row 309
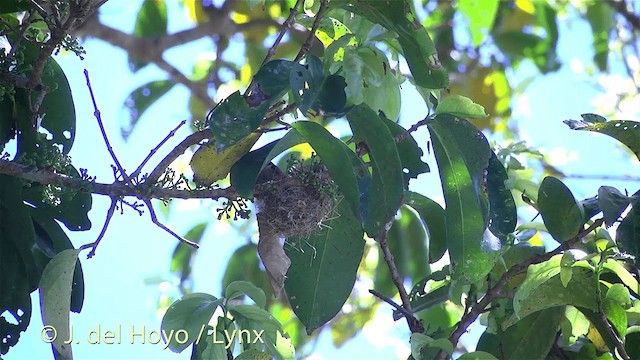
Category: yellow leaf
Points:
column 597, row 339
column 196, row 11
column 210, row 166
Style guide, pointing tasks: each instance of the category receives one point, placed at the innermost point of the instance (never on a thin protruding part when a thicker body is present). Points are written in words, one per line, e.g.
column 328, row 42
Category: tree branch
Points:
column 415, row 325
column 622, row 8
column 498, row 290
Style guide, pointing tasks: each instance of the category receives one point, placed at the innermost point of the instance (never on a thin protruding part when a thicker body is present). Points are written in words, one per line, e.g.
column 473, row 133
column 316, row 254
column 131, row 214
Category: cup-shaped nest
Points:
column 291, row 208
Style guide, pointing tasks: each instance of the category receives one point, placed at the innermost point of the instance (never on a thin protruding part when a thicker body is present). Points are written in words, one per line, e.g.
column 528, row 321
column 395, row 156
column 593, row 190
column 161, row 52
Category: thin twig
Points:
column 621, row 7
column 312, row 33
column 497, row 291
column 272, row 50
column 285, row 27
column 117, row 189
column 278, row 114
column 190, row 140
column 155, row 149
column 107, row 220
column 415, row 325
column 96, row 114
column 155, row 220
column 386, row 299
column 619, row 344
column 398, row 138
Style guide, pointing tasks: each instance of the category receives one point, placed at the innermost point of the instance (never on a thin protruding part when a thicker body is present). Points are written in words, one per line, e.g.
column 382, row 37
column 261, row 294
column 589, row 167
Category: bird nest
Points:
column 296, row 203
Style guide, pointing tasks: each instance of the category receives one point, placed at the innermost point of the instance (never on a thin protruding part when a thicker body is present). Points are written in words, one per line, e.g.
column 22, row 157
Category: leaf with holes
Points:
column 140, row 100
column 409, row 151
column 234, row 120
column 625, row 131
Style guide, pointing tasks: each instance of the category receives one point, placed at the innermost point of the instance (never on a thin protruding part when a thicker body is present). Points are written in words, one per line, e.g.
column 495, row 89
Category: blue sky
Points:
column 135, row 250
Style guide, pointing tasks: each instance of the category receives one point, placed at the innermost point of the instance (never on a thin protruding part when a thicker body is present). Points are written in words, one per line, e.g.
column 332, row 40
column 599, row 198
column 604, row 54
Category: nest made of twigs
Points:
column 291, row 208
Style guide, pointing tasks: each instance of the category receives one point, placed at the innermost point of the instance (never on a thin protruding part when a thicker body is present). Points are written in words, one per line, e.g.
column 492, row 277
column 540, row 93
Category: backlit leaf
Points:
column 409, row 151
column 625, row 131
column 562, row 214
column 460, row 106
column 234, row 120
column 55, row 298
column 481, row 15
column 530, row 338
column 191, row 313
column 433, row 216
column 209, row 165
column 463, row 154
column 141, row 99
column 542, row 288
column 151, row 22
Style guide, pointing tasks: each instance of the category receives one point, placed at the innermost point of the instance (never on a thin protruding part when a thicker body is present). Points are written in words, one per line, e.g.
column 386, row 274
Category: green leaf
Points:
column 463, row 154
column 57, row 109
column 601, row 18
column 417, row 46
column 190, row 314
column 275, row 77
column 562, row 213
column 19, row 275
column 542, row 288
column 12, row 6
column 234, row 120
column 321, row 95
column 369, row 79
column 461, row 106
column 7, row 127
column 241, row 288
column 566, row 268
column 530, row 338
column 151, row 22
column 183, row 254
column 628, row 232
column 502, row 208
column 425, row 347
column 244, row 265
column 50, row 241
column 345, row 168
column 433, row 216
column 625, row 131
column 141, row 99
column 481, row 15
column 612, row 203
column 477, row 355
column 623, row 274
column 256, row 320
column 72, row 210
column 245, row 171
column 55, row 298
column 409, row 151
column 388, row 183
column 323, row 268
